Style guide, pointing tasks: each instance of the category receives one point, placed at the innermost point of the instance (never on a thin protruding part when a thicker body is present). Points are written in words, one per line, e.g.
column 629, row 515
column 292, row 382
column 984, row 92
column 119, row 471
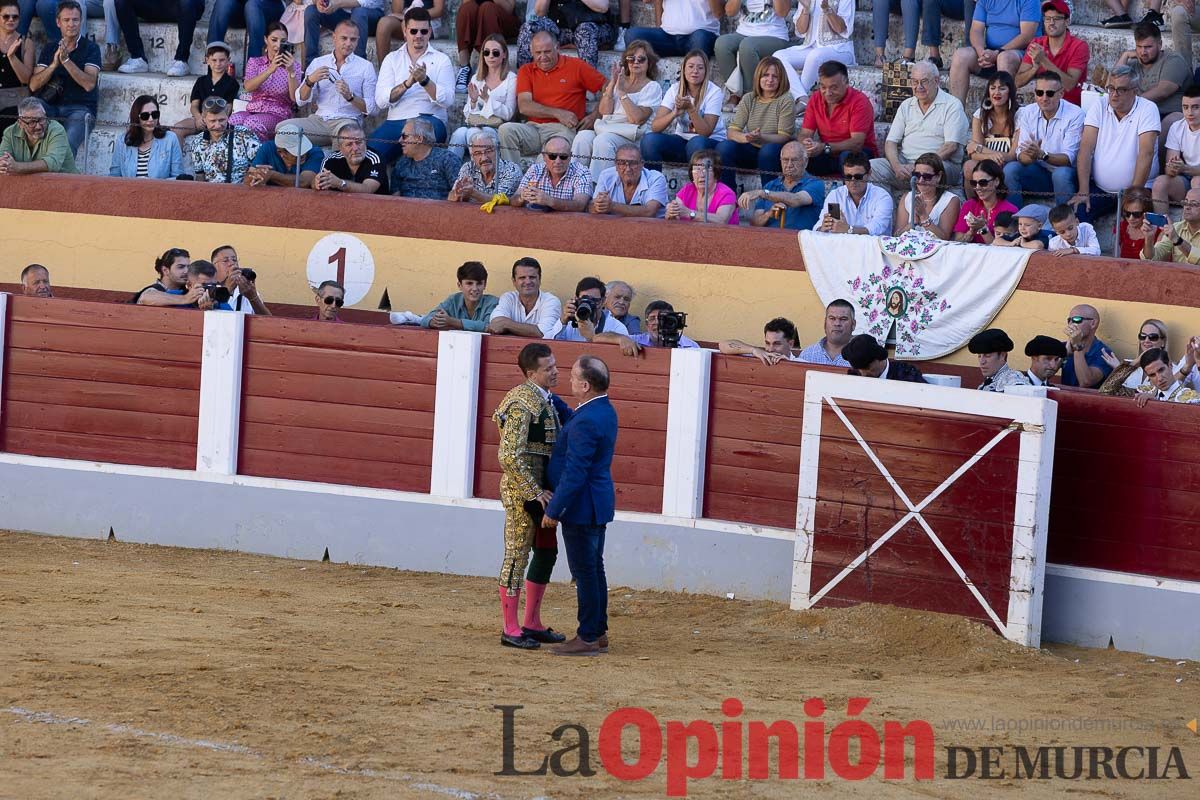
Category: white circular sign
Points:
column 343, row 258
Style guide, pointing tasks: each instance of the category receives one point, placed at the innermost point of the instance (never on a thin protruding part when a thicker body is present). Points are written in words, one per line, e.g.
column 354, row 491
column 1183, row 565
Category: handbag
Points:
column 52, row 92
column 480, row 121
column 626, row 130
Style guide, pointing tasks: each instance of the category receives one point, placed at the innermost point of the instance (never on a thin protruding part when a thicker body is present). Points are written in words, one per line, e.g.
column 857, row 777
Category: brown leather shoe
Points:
column 577, row 647
column 602, row 643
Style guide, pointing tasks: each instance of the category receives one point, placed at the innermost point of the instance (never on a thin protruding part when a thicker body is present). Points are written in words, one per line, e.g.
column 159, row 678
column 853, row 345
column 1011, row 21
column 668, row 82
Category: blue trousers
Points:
column 1102, row 203
column 668, row 45
column 660, row 147
column 47, row 10
column 385, row 140
column 924, row 13
column 585, row 556
column 1022, row 179
column 253, row 15
column 743, row 155
column 314, row 21
column 76, row 119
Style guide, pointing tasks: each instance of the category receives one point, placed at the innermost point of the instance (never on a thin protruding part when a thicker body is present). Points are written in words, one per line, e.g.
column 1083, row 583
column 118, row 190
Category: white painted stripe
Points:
column 220, row 392
column 455, row 411
column 1122, row 578
column 1031, row 523
column 687, row 432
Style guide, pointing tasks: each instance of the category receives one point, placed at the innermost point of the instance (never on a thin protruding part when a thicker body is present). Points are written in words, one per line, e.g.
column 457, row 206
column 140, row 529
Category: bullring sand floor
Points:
column 140, row 671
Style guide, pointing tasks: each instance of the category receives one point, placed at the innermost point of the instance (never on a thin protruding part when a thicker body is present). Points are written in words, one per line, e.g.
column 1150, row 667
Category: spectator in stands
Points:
column 1186, row 370
column 555, row 182
column 618, row 297
column 1121, row 18
column 1085, row 365
column 35, row 143
column 223, row 152
column 328, row 13
column 527, row 311
column 704, row 198
column 689, row 119
column 601, row 328
column 992, row 348
column 1127, row 377
column 931, row 121
column 761, row 30
column 1184, row 22
column 994, row 128
column 1045, row 359
column 1050, row 132
column 926, row 16
column 146, row 151
column 682, row 26
column 354, row 168
column 185, row 13
column 575, row 22
column 331, row 296
column 468, row 309
column 1179, row 241
column 491, row 94
column 275, row 163
column 779, row 340
column 1131, row 237
column 424, row 170
column 857, row 206
column 478, row 22
column 627, row 103
column 272, row 79
column 1057, row 52
column 929, row 205
column 839, row 328
column 67, row 76
column 651, row 336
column 16, row 62
column 242, row 284
column 47, row 12
column 341, row 84
column 628, row 189
column 216, row 80
column 977, row 218
column 1164, row 385
column 764, row 121
column 999, row 33
column 1072, row 236
column 170, row 289
column 1181, row 161
column 551, row 95
column 869, row 358
column 1162, row 75
column 1006, row 223
column 840, row 121
column 414, row 81
column 393, row 23
column 826, row 28
column 35, row 279
column 485, row 175
column 253, row 15
column 789, row 201
column 1028, row 233
column 1115, row 154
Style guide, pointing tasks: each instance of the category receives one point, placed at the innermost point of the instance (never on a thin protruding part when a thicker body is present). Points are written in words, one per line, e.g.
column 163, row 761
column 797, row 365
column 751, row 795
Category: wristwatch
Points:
column 828, row 149
column 424, row 81
column 343, row 185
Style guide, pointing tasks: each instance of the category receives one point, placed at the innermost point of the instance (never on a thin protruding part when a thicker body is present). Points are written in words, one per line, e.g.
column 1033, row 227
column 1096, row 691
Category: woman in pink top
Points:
column 272, row 80
column 977, row 219
column 705, row 191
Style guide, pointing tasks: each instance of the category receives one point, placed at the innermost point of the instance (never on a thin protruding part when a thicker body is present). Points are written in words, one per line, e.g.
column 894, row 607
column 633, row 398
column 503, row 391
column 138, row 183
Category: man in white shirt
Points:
column 1119, row 148
column 1050, row 131
column 527, row 311
column 628, row 189
column 1181, row 171
column 329, row 13
column 341, row 84
column 1163, row 384
column 414, row 81
column 857, row 206
column 931, row 121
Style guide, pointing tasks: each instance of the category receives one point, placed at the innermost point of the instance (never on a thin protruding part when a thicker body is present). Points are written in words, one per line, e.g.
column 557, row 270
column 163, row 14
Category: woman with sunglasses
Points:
column 689, row 118
column 977, row 219
column 146, row 151
column 993, row 127
column 626, row 105
column 1135, row 203
column 16, row 63
column 928, row 206
column 704, row 192
column 272, row 80
column 764, row 121
column 475, row 23
column 1127, row 377
column 491, row 95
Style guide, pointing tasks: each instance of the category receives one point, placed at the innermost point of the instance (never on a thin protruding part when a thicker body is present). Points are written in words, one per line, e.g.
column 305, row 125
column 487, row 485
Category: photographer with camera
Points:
column 202, row 283
column 585, row 319
column 240, row 281
column 664, row 327
column 171, row 287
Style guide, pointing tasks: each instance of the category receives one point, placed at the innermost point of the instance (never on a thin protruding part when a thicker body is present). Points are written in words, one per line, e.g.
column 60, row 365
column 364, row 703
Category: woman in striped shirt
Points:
column 146, row 151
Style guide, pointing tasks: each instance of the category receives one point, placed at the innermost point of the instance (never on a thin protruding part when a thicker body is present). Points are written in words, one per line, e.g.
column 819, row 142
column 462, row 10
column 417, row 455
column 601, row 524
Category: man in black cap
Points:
column 992, row 347
column 870, row 359
column 1046, row 356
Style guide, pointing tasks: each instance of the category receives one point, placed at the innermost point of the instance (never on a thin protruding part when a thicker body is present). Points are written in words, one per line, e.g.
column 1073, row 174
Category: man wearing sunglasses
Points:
column 556, row 182
column 857, row 206
column 414, row 81
column 1050, row 132
column 331, row 296
column 328, row 13
column 1085, row 365
column 35, row 143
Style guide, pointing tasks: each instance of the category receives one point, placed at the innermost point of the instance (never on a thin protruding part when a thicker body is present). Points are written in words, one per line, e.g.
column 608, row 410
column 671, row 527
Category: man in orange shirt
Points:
column 552, row 96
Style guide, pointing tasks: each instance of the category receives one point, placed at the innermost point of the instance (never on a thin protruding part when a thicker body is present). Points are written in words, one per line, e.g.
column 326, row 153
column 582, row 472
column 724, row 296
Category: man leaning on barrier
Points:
column 35, row 282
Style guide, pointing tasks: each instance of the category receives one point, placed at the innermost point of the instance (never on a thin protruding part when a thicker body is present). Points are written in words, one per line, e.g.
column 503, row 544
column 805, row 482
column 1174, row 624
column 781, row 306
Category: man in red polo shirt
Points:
column 839, row 121
column 1057, row 51
column 552, row 96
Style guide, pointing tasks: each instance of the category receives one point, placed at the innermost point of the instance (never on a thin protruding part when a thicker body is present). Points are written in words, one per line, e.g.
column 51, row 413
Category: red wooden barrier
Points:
column 102, row 382
column 638, row 390
column 346, row 404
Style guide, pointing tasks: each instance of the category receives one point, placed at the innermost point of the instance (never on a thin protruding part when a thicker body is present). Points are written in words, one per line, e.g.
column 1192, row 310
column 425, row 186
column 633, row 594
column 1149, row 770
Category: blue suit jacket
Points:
column 580, row 470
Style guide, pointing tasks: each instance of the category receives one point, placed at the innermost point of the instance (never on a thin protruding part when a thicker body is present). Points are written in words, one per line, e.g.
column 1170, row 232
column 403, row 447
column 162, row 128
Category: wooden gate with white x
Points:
column 925, row 497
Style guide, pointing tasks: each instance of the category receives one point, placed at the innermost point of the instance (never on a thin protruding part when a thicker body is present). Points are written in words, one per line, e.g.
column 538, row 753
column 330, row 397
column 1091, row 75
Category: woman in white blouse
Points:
column 689, row 118
column 761, row 30
column 629, row 100
column 930, row 206
column 826, row 26
column 491, row 95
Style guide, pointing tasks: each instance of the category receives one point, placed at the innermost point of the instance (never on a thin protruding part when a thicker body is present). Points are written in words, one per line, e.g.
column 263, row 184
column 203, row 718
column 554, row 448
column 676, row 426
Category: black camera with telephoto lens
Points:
column 249, row 274
column 587, row 309
column 216, row 292
column 670, row 327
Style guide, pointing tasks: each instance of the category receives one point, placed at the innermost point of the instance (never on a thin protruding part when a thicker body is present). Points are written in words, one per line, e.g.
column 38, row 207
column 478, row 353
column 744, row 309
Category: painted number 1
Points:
column 339, row 258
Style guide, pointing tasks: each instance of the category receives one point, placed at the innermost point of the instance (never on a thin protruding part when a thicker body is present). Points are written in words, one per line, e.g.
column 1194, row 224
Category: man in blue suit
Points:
column 580, row 474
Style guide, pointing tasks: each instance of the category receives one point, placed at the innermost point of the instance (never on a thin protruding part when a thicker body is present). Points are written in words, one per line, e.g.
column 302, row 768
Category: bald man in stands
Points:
column 35, row 281
column 1085, row 365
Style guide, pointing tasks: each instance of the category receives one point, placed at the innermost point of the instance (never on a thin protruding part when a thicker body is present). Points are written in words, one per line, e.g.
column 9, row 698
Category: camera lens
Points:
column 249, row 274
